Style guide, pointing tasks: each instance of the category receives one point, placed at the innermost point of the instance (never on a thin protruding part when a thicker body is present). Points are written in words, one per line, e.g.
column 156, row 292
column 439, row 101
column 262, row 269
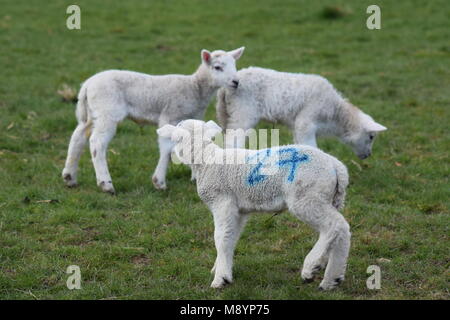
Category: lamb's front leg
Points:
column 305, row 133
column 159, row 176
column 241, row 224
column 228, row 224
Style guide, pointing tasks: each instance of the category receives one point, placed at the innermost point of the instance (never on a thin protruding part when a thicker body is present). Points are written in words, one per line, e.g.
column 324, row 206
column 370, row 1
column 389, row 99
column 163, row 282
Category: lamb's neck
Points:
column 202, row 153
column 203, row 85
column 345, row 120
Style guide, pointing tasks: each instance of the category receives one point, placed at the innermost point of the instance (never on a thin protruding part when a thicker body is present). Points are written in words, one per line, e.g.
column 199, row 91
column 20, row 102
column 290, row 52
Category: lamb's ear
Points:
column 206, row 56
column 369, row 124
column 237, row 53
column 166, row 131
column 212, row 128
column 179, row 133
column 375, row 127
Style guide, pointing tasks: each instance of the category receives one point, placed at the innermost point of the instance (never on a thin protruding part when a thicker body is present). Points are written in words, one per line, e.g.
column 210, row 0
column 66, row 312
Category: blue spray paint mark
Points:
column 255, row 175
column 294, row 161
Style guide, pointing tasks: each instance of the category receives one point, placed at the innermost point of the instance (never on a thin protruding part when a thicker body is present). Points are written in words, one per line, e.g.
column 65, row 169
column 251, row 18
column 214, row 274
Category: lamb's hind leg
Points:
column 102, row 133
column 316, row 259
column 76, row 147
column 333, row 244
column 339, row 249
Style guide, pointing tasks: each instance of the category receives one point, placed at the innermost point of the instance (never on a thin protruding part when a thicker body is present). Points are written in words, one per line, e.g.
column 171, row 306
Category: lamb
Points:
column 308, row 182
column 308, row 104
column 110, row 96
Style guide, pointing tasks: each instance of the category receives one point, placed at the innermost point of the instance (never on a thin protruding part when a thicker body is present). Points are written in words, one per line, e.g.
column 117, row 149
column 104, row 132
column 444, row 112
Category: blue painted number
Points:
column 293, row 161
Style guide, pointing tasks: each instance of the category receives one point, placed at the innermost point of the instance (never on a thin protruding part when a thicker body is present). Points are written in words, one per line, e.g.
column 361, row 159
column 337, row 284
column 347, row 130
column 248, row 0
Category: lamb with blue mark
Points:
column 308, row 182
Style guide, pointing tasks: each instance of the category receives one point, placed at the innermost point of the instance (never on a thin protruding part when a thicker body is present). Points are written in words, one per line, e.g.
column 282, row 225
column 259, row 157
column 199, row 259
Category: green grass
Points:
column 159, row 245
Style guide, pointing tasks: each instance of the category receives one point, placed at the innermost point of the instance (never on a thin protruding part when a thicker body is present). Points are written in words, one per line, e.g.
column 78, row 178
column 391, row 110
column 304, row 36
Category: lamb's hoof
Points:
column 308, row 276
column 325, row 286
column 69, row 180
column 338, row 281
column 160, row 185
column 308, row 280
column 107, row 187
column 221, row 282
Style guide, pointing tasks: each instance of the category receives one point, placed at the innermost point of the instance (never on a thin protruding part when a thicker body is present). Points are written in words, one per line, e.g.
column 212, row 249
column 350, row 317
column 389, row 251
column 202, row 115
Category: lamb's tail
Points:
column 341, row 184
column 82, row 105
column 221, row 108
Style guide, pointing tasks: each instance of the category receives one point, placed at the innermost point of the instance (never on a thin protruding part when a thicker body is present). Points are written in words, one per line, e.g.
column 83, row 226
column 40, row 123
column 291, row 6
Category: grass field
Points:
column 147, row 244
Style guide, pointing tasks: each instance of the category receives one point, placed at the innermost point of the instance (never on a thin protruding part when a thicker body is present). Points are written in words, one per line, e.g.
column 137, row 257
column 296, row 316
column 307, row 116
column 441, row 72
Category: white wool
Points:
column 308, row 104
column 109, row 97
column 308, row 182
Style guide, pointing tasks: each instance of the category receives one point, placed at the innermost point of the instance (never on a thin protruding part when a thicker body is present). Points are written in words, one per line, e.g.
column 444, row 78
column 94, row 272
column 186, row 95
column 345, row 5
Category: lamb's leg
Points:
column 331, row 250
column 102, row 133
column 339, row 249
column 228, row 224
column 76, row 147
column 316, row 259
column 304, row 132
column 241, row 223
column 159, row 176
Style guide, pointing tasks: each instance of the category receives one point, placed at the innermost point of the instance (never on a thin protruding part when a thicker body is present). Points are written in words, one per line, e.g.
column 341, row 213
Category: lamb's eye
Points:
column 371, row 136
column 218, row 68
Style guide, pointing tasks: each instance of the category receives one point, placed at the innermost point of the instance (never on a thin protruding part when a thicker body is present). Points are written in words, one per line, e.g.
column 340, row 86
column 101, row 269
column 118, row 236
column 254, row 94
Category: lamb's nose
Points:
column 235, row 83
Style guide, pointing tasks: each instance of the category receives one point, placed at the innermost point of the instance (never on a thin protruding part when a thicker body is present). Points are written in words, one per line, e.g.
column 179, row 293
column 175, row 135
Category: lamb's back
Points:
column 279, row 96
column 265, row 183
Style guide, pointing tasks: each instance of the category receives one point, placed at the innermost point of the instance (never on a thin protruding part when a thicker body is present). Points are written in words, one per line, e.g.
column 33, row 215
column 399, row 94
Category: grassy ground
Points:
column 158, row 245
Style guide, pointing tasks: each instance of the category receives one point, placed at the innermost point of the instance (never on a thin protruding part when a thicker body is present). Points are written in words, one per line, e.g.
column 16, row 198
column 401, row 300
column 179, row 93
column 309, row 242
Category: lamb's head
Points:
column 362, row 138
column 221, row 66
column 189, row 137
